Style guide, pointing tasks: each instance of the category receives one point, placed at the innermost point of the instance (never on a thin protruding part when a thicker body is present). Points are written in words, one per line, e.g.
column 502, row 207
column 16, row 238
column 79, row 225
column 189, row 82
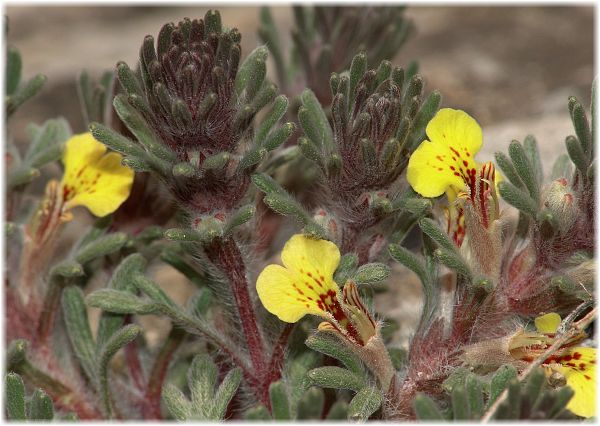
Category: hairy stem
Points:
column 159, row 372
column 227, row 257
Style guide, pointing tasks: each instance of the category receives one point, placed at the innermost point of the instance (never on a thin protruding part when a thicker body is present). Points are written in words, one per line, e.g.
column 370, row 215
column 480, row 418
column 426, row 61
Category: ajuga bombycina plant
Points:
column 186, row 155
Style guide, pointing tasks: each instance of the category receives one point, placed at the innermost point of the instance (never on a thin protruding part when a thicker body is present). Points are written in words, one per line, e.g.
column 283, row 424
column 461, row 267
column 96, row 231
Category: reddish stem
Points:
column 227, row 257
column 133, row 361
column 159, row 372
column 278, row 353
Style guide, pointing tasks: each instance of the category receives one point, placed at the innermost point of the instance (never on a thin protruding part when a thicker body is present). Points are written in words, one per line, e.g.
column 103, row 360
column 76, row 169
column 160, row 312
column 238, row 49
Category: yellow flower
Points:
column 305, row 285
column 446, row 164
column 576, row 364
column 446, row 160
column 93, row 178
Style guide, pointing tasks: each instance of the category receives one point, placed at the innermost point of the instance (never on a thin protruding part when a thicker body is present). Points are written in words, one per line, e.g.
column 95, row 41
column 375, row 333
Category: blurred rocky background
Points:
column 512, row 68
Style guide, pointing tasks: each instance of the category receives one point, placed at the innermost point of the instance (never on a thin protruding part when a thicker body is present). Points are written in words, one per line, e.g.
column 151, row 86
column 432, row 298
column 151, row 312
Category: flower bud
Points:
column 560, row 200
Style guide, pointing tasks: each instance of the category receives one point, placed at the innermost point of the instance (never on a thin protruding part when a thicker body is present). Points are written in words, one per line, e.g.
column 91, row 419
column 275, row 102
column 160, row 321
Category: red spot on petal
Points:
column 576, row 355
column 587, row 377
column 465, row 163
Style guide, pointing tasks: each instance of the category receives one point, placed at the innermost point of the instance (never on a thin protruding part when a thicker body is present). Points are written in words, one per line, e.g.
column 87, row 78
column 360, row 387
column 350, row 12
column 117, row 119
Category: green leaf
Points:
column 433, row 231
column 67, row 269
column 251, row 73
column 153, row 291
column 24, row 92
column 267, row 184
column 372, row 273
column 508, row 169
column 533, row 155
column 128, row 80
column 525, row 169
column 499, row 382
column 239, row 217
column 21, row 176
column 582, row 128
column 15, row 397
column 329, row 344
column 259, row 413
column 427, row 111
column 517, row 198
column 116, row 141
column 338, row 411
column 279, row 136
column 141, row 130
column 16, row 353
column 577, row 154
column 79, row 331
column 183, row 235
column 426, row 409
column 47, row 142
column 346, row 268
column 408, row 259
column 287, row 206
column 358, row 67
column 120, row 302
column 177, row 404
column 534, row 387
column 337, row 378
column 226, row 392
column 117, row 341
column 562, row 398
column 364, row 404
column 252, row 158
column 100, row 247
column 13, row 70
column 41, row 407
column 460, row 404
column 216, row 161
column 279, row 401
column 453, row 260
column 309, row 150
column 317, row 120
column 184, row 170
column 278, row 110
column 121, row 280
column 475, row 396
column 50, row 154
column 562, row 167
column 310, row 405
column 202, row 377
